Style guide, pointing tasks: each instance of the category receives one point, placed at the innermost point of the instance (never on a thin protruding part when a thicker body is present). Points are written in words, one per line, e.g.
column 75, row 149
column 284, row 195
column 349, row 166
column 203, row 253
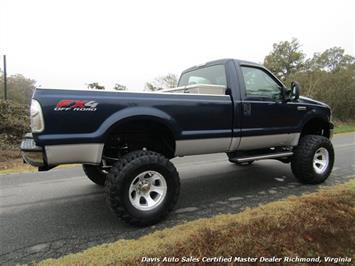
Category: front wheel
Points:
column 313, row 159
column 142, row 187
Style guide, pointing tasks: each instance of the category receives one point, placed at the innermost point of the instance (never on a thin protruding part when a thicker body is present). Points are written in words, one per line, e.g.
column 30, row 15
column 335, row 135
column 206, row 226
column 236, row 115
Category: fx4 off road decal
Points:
column 76, row 105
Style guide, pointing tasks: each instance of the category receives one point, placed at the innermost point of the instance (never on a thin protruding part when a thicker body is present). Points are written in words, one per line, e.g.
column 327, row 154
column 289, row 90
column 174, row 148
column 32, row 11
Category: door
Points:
column 266, row 120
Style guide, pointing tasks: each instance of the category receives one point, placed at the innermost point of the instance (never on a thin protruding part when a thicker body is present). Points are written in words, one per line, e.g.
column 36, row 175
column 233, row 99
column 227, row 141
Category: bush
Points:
column 337, row 89
column 14, row 123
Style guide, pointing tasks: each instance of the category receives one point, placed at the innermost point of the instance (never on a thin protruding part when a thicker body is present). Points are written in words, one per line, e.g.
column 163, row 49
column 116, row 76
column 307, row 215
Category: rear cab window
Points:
column 210, row 75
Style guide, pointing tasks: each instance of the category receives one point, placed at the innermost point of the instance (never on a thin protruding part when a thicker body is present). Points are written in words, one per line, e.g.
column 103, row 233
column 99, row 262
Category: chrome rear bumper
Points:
column 31, row 153
column 50, row 156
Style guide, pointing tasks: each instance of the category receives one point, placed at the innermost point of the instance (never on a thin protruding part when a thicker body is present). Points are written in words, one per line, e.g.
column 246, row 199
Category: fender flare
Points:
column 315, row 114
column 137, row 113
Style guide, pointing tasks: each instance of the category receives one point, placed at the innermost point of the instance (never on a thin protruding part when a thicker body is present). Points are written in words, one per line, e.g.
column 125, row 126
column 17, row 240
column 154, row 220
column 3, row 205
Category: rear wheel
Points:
column 313, row 159
column 95, row 173
column 142, row 187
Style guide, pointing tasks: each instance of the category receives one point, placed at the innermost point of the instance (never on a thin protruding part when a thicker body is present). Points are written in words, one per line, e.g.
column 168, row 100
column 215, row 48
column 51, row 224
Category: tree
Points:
column 119, row 87
column 95, row 86
column 330, row 77
column 163, row 82
column 285, row 59
column 332, row 60
column 19, row 88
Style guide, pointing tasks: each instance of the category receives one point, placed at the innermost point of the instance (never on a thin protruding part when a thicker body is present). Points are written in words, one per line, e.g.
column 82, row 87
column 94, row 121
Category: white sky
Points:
column 66, row 44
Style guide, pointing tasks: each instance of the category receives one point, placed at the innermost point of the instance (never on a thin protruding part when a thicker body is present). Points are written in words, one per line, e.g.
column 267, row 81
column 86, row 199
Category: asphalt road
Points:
column 53, row 213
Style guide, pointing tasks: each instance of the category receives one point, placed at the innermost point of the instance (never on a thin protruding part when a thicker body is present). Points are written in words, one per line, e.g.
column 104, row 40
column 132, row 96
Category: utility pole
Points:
column 5, row 79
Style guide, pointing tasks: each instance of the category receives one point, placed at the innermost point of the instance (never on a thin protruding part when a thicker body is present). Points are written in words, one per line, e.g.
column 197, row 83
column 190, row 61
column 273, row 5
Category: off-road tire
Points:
column 302, row 160
column 95, row 174
column 122, row 174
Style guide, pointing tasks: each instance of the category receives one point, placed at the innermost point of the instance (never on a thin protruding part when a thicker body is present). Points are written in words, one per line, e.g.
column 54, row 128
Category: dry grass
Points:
column 16, row 166
column 317, row 224
column 11, row 162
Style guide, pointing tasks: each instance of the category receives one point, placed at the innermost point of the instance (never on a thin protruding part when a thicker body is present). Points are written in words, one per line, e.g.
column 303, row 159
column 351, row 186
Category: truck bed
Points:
column 189, row 116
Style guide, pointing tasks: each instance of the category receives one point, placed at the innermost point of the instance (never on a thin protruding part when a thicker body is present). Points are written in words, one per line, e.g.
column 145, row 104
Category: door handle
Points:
column 247, row 109
column 301, row 108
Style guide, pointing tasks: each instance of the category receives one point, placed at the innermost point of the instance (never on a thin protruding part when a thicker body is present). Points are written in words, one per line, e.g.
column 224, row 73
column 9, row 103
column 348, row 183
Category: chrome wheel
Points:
column 321, row 160
column 147, row 190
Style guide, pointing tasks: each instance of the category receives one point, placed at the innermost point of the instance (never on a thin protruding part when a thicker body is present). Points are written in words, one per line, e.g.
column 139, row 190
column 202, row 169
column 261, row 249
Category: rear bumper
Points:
column 31, row 153
column 50, row 156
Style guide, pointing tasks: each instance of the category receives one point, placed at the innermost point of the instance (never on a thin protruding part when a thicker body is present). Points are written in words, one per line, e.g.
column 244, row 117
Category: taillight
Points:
column 37, row 122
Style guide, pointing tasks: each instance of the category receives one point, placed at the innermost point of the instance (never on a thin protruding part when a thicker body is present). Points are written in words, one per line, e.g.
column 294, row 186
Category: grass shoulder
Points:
column 11, row 162
column 316, row 224
column 344, row 127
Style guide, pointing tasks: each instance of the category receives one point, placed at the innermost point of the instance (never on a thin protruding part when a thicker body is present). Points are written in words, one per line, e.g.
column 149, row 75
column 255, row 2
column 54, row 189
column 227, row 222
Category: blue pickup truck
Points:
column 125, row 140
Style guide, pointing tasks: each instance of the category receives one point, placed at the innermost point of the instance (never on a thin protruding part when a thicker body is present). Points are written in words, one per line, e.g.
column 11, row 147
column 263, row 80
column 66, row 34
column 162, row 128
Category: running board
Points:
column 261, row 157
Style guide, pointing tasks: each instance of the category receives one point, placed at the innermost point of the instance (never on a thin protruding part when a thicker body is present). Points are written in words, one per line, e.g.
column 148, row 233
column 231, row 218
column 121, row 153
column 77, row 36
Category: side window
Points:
column 259, row 84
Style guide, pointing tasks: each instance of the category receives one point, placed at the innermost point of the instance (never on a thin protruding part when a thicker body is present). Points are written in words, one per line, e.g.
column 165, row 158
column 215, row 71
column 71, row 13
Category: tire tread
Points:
column 302, row 160
column 114, row 186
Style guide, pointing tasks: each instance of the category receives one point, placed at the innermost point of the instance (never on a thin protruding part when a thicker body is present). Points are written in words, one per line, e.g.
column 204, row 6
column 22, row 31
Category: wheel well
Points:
column 139, row 134
column 316, row 126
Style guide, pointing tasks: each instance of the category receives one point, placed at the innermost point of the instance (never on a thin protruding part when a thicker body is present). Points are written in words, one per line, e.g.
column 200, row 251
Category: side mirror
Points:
column 295, row 91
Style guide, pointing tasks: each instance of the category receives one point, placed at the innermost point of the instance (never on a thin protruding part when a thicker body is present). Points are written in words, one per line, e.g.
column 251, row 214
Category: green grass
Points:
column 316, row 224
column 344, row 127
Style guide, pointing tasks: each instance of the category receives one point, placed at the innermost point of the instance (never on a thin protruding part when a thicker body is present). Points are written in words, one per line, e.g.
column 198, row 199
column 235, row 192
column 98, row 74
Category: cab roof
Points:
column 222, row 62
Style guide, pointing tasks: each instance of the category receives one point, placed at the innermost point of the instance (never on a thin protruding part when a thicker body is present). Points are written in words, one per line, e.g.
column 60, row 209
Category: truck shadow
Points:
column 223, row 180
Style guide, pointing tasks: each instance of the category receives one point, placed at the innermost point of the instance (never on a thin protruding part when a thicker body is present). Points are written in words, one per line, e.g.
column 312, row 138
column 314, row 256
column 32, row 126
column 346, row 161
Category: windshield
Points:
column 214, row 75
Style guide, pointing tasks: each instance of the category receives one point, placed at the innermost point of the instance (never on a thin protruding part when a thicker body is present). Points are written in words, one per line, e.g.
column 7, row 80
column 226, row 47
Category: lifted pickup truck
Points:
column 125, row 139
